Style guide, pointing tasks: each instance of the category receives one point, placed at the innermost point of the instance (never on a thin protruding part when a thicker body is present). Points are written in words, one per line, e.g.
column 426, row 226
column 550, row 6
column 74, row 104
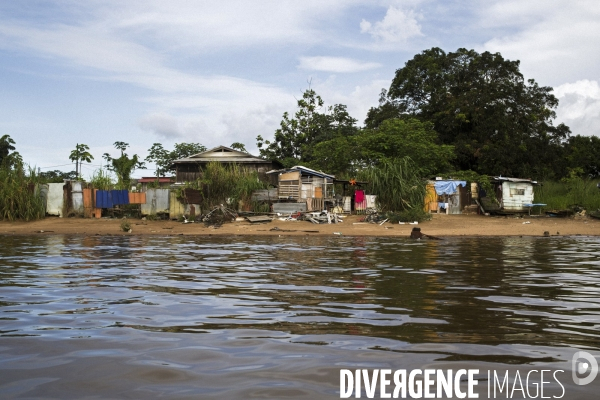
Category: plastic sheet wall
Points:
column 55, row 201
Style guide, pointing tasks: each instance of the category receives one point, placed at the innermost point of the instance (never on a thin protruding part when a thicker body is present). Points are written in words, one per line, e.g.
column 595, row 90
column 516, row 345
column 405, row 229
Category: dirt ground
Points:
column 439, row 226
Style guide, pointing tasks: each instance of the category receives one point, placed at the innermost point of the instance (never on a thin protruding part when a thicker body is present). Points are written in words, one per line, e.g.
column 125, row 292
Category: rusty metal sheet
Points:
column 192, row 196
column 137, row 198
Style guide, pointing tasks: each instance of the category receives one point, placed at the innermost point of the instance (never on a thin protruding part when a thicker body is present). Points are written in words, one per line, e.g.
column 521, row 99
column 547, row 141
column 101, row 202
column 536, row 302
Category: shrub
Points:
column 125, row 225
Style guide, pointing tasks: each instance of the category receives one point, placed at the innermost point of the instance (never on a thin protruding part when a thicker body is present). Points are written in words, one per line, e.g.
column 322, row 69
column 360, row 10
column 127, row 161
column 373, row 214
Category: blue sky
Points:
column 96, row 72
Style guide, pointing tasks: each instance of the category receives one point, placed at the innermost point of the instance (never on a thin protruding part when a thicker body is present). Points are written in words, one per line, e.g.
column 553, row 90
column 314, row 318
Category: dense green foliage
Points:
column 19, row 194
column 498, row 122
column 584, row 153
column 393, row 139
column 56, row 176
column 398, row 184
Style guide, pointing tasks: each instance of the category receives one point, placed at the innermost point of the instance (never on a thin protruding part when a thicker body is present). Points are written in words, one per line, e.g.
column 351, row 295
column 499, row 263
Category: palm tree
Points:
column 79, row 155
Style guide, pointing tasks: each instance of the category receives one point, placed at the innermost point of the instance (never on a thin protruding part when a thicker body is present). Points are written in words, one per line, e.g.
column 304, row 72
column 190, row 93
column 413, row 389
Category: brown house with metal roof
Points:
column 190, row 168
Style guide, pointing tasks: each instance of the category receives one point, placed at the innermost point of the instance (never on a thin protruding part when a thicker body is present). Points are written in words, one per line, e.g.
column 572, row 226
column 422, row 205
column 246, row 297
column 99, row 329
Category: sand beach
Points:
column 439, row 226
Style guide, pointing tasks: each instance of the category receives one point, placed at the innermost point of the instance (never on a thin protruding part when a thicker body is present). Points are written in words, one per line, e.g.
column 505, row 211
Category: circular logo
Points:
column 584, row 363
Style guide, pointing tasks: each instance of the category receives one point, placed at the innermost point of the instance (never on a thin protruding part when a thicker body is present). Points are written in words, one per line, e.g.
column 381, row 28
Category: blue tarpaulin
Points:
column 448, row 187
column 103, row 199
column 120, row 197
column 111, row 198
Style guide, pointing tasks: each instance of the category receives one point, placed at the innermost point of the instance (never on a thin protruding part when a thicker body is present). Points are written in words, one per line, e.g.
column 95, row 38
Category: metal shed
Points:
column 512, row 195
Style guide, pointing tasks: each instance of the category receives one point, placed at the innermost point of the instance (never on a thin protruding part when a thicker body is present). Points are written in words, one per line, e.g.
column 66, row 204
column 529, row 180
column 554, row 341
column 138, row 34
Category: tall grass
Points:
column 398, row 185
column 102, row 180
column 19, row 194
column 569, row 193
column 229, row 184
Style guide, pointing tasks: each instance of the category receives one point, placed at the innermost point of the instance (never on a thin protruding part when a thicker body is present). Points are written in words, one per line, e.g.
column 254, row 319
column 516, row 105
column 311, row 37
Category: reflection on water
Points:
column 279, row 316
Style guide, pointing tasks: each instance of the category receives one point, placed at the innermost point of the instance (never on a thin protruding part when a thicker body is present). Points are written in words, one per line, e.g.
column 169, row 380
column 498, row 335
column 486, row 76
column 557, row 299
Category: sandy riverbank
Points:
column 440, row 225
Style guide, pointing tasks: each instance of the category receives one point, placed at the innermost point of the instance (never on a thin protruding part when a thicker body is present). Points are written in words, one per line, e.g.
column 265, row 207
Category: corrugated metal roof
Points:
column 222, row 159
column 502, row 178
column 303, row 170
column 222, row 154
column 162, row 179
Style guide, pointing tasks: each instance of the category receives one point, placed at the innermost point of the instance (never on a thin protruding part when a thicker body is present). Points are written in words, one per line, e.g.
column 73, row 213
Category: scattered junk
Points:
column 323, row 217
column 510, row 196
column 565, row 213
column 446, row 196
column 289, row 208
column 595, row 214
column 219, row 215
column 277, row 229
column 259, row 219
column 374, row 218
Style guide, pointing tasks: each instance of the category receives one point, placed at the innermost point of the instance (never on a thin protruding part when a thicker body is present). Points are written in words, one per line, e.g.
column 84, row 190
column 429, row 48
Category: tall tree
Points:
column 164, row 158
column 294, row 141
column 8, row 159
column 79, row 155
column 239, row 146
column 480, row 103
column 183, row 150
column 123, row 166
column 161, row 157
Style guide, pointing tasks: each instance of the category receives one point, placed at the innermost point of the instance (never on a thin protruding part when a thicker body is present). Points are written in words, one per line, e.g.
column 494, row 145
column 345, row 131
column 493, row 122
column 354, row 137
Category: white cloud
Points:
column 555, row 41
column 397, row 26
column 161, row 124
column 335, row 64
column 579, row 106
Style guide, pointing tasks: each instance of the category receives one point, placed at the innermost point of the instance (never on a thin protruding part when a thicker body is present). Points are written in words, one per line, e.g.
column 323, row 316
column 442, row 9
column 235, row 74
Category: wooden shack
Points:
column 190, row 168
column 304, row 185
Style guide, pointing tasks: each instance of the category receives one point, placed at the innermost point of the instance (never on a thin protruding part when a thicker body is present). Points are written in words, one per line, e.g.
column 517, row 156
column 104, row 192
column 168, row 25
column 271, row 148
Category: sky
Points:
column 215, row 73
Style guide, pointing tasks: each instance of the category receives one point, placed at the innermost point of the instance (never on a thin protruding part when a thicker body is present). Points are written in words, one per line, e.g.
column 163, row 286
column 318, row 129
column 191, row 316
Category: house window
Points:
column 517, row 192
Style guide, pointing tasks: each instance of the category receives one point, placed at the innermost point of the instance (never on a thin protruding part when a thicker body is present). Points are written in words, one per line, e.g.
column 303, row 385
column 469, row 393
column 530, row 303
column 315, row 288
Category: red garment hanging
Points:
column 359, row 196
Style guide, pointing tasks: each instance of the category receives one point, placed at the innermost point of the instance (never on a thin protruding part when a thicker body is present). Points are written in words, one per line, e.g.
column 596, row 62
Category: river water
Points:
column 279, row 317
